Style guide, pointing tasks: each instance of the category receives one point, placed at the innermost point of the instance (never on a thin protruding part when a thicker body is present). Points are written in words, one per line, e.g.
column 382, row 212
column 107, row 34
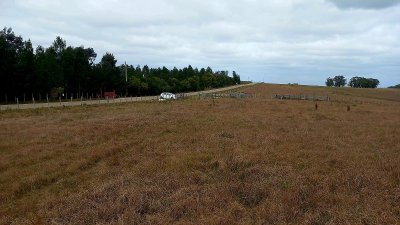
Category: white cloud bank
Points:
column 272, row 41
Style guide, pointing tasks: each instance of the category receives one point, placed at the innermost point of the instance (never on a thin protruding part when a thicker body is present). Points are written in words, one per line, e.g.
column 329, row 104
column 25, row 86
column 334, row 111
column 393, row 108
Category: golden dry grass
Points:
column 247, row 161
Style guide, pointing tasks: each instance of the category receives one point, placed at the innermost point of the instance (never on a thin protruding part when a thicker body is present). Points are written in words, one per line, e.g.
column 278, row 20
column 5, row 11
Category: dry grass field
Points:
column 231, row 161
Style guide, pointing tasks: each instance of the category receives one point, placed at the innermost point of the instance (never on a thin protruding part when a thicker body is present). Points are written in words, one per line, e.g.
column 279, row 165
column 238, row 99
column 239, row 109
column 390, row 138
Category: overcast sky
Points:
column 276, row 41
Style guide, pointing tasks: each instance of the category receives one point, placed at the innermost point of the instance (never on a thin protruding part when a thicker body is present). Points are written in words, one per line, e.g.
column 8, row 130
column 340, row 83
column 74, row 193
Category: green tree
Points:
column 134, row 85
column 107, row 75
column 329, row 82
column 236, row 77
column 339, row 81
column 59, row 46
column 76, row 67
column 24, row 70
column 395, row 86
column 10, row 46
column 145, row 71
column 362, row 82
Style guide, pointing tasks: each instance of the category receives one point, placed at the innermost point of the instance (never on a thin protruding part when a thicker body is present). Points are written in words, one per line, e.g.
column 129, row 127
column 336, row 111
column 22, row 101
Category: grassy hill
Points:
column 227, row 161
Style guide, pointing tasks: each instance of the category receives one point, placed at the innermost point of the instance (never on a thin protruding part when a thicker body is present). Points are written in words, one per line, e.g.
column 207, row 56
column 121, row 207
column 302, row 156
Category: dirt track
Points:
column 107, row 101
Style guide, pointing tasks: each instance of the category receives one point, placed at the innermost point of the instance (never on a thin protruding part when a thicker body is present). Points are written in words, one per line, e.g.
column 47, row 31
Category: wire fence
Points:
column 237, row 95
column 44, row 101
column 302, row 97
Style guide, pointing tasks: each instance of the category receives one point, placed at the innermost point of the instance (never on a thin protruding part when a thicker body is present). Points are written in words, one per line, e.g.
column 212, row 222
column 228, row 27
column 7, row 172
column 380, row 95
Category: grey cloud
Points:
column 274, row 40
column 365, row 4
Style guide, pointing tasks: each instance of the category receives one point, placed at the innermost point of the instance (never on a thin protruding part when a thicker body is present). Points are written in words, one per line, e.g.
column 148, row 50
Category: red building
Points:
column 110, row 94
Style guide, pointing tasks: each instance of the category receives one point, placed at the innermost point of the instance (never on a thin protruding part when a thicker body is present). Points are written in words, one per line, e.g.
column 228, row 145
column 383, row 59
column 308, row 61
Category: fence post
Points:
column 18, row 103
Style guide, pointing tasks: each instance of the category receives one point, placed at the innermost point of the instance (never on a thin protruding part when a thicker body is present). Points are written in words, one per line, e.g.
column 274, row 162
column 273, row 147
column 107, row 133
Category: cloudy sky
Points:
column 276, row 41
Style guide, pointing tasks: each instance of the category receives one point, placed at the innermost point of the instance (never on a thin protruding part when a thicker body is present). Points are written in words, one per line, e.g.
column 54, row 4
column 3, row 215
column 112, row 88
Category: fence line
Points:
column 82, row 101
column 226, row 95
column 302, row 97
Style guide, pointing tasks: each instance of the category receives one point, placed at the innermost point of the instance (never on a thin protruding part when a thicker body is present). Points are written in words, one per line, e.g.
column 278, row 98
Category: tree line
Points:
column 25, row 71
column 355, row 82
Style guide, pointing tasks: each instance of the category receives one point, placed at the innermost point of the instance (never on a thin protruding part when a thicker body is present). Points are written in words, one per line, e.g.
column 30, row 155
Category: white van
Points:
column 167, row 96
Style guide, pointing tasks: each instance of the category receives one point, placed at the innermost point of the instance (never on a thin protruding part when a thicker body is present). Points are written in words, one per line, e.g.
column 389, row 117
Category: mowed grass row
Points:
column 227, row 161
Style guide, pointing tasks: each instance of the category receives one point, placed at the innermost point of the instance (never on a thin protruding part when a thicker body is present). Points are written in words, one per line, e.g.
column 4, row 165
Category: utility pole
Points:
column 126, row 81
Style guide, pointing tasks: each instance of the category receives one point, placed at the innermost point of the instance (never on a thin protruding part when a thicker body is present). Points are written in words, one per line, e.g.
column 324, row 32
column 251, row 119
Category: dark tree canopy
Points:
column 362, row 82
column 60, row 68
column 337, row 81
column 329, row 82
column 355, row 82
